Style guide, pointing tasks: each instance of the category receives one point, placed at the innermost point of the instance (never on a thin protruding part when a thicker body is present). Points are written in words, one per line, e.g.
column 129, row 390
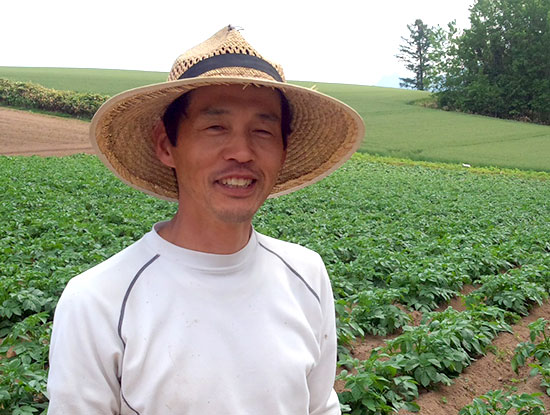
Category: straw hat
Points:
column 325, row 131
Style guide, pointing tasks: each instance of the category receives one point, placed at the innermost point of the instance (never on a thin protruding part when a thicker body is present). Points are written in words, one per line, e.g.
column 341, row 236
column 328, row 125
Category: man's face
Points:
column 229, row 152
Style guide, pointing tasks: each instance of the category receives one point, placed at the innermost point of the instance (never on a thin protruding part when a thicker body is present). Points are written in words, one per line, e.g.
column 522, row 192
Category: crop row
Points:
column 389, row 235
column 432, row 353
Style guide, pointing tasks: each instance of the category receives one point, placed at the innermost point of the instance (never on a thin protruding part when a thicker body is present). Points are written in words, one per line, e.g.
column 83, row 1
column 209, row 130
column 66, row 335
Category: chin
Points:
column 236, row 216
column 237, row 211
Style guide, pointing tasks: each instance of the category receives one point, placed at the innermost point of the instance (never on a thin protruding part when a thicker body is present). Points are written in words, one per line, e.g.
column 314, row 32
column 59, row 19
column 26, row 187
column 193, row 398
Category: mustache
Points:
column 243, row 169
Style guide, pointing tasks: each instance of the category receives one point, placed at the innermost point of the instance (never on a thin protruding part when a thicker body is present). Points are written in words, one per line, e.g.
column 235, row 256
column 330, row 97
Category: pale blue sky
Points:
column 346, row 41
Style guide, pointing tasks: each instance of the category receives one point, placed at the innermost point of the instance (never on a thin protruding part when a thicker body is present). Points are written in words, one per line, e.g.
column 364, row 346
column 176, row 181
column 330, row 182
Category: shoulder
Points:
column 306, row 265
column 107, row 282
column 294, row 253
column 303, row 262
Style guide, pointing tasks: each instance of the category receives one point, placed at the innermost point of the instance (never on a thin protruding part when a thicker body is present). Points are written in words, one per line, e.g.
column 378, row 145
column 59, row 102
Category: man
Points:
column 204, row 315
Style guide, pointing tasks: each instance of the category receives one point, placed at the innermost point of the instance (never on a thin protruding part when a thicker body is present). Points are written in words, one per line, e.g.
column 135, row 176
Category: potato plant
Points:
column 499, row 402
column 375, row 387
column 512, row 292
column 447, row 342
column 538, row 348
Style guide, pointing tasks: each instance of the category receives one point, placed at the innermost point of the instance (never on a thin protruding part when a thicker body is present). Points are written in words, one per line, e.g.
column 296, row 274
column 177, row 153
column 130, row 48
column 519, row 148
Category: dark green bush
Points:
column 30, row 95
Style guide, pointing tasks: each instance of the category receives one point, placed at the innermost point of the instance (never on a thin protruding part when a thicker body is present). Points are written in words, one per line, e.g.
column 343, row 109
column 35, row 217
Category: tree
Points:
column 414, row 52
column 501, row 64
column 443, row 57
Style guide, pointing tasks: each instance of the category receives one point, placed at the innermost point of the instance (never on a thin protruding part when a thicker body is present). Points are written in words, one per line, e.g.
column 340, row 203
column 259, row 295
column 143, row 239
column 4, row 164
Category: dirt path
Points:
column 25, row 133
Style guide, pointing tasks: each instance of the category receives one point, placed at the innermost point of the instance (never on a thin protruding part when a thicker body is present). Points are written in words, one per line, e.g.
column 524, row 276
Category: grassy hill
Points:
column 101, row 81
column 398, row 129
column 395, row 127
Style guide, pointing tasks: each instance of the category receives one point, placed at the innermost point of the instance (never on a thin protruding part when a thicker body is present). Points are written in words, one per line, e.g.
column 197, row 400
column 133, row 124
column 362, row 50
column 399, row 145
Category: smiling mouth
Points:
column 236, row 182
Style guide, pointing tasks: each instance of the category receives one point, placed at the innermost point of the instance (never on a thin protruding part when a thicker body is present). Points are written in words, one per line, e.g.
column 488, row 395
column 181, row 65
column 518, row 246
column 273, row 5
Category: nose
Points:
column 239, row 148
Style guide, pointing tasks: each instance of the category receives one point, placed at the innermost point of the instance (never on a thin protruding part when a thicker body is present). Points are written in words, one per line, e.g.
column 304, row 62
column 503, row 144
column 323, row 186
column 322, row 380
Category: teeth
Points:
column 236, row 182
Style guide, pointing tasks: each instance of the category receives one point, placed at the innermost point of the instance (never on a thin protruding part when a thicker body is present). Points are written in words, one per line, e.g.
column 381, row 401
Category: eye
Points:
column 263, row 133
column 215, row 127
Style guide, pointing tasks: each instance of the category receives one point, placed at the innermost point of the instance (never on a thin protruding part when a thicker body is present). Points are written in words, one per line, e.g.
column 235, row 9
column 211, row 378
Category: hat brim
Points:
column 325, row 133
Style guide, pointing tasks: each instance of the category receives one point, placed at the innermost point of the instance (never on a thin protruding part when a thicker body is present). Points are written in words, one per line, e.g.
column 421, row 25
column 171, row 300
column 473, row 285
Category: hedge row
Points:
column 30, row 95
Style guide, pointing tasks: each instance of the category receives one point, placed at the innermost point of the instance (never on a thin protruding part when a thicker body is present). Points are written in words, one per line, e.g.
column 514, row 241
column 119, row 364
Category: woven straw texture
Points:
column 325, row 132
column 227, row 40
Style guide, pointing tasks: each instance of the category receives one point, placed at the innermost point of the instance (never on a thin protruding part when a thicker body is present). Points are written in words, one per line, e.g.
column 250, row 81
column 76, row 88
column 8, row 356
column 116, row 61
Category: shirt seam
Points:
column 293, row 271
column 121, row 319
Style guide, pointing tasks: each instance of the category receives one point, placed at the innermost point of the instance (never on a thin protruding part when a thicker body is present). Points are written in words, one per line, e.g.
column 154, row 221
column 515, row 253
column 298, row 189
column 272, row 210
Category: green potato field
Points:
column 389, row 235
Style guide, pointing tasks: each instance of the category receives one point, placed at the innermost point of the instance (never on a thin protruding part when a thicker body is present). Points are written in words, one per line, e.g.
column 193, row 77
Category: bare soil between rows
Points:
column 25, row 133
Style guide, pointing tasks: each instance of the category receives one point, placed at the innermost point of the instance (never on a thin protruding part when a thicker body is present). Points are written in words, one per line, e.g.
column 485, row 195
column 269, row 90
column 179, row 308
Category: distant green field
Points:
column 102, row 81
column 394, row 127
column 397, row 129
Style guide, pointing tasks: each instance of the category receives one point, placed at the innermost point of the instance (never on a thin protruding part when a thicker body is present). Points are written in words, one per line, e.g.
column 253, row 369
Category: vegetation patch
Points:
column 29, row 95
column 415, row 234
column 538, row 348
column 499, row 402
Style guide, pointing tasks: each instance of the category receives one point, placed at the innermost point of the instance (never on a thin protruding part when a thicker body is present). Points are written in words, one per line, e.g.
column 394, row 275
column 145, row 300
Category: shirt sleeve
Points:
column 323, row 397
column 85, row 354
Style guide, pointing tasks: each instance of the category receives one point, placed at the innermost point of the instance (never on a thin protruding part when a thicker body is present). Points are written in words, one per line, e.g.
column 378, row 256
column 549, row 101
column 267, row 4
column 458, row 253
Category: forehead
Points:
column 226, row 97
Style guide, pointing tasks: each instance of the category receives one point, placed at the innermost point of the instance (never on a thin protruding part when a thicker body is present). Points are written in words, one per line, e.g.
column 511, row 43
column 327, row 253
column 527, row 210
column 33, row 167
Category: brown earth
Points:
column 25, row 133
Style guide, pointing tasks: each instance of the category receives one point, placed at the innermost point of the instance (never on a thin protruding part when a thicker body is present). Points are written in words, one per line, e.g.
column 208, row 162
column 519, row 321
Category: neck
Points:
column 213, row 238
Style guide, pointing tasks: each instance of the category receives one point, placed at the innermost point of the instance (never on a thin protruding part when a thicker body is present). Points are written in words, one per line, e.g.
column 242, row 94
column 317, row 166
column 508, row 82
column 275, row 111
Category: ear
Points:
column 161, row 144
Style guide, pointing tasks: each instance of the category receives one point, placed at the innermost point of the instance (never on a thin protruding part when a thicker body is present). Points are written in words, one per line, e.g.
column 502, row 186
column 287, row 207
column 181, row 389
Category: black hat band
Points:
column 231, row 60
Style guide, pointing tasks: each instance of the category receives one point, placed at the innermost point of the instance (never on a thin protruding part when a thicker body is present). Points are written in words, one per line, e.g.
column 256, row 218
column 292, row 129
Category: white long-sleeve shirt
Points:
column 159, row 329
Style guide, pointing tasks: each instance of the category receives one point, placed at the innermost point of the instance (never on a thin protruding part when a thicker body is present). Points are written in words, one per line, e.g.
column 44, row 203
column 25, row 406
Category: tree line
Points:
column 500, row 66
